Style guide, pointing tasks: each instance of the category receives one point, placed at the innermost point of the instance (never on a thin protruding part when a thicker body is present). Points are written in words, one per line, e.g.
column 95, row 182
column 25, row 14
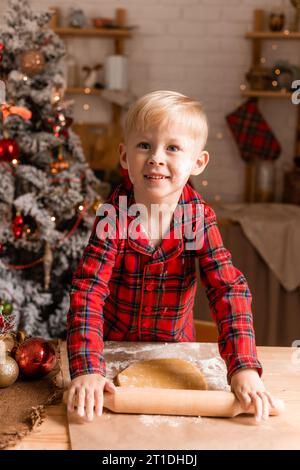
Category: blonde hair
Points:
column 161, row 108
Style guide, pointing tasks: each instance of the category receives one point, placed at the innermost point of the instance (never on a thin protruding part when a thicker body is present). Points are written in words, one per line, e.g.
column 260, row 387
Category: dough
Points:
column 163, row 373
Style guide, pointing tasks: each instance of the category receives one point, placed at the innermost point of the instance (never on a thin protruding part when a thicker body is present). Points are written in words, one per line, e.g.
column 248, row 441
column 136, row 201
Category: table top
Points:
column 281, row 377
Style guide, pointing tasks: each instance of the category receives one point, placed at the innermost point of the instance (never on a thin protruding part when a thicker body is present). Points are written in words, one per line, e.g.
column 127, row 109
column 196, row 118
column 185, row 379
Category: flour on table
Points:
column 109, row 349
column 114, row 367
column 172, row 421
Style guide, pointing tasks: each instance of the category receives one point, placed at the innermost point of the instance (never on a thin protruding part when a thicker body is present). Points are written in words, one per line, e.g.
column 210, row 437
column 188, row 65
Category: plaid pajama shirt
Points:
column 124, row 289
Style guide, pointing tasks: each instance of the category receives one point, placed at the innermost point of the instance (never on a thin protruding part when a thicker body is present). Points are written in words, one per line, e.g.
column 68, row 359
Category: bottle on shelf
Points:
column 116, row 72
column 72, row 69
column 264, row 180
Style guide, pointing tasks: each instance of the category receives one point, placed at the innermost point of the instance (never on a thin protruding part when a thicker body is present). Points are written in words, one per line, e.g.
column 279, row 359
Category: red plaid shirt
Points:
column 126, row 290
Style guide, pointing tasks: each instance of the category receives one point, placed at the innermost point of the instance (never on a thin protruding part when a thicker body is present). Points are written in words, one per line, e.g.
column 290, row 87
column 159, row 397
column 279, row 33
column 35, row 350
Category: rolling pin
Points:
column 178, row 402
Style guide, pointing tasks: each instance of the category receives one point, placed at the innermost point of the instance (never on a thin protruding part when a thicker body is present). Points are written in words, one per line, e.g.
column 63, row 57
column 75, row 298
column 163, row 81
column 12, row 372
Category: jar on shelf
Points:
column 260, row 78
column 276, row 19
column 264, row 181
column 116, row 72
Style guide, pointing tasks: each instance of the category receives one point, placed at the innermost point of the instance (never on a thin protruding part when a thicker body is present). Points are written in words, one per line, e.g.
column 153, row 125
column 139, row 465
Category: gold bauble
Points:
column 32, row 62
column 9, row 342
column 9, row 372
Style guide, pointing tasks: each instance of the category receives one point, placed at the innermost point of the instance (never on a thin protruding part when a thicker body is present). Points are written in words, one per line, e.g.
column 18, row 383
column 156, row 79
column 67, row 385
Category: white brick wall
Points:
column 195, row 47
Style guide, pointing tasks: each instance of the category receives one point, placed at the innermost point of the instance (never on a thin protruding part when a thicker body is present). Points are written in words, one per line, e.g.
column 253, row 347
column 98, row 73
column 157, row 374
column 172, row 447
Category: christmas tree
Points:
column 48, row 193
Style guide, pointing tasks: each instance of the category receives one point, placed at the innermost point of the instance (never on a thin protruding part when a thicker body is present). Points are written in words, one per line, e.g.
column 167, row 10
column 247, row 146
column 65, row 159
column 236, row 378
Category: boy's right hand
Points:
column 86, row 392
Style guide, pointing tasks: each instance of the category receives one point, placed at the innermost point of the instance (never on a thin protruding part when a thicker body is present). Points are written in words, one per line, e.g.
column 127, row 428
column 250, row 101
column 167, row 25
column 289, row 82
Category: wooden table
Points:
column 282, row 379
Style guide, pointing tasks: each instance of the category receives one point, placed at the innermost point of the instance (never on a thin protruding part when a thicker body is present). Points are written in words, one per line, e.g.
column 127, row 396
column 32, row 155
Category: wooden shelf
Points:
column 94, row 32
column 266, row 94
column 258, row 35
column 84, row 91
column 100, row 141
column 272, row 35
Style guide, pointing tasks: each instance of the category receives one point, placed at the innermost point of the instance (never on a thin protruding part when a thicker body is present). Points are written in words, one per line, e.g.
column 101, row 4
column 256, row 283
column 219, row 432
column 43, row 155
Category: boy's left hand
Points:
column 249, row 389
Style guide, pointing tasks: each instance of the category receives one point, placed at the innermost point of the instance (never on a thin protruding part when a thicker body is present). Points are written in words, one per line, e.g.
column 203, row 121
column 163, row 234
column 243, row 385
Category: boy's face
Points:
column 160, row 160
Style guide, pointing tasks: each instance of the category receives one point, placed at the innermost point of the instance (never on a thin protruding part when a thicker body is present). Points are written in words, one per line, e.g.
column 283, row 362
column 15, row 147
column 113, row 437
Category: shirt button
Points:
column 147, row 309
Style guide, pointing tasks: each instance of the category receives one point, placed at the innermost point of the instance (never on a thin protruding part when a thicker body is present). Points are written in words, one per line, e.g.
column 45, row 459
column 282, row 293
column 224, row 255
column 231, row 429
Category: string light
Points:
column 219, row 135
column 56, row 98
column 53, row 218
column 263, row 60
column 274, row 83
column 217, row 197
column 87, row 91
column 86, row 107
column 277, row 72
column 274, row 47
column 204, row 182
column 25, row 78
column 81, row 207
column 15, row 162
column 61, row 117
column 286, row 32
column 243, row 87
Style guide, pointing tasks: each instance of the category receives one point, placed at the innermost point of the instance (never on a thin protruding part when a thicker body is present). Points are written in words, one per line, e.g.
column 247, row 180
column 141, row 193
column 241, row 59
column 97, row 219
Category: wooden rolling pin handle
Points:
column 177, row 402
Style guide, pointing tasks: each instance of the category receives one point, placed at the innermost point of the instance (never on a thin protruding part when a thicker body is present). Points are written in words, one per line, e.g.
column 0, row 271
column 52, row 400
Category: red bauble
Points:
column 17, row 226
column 35, row 357
column 9, row 149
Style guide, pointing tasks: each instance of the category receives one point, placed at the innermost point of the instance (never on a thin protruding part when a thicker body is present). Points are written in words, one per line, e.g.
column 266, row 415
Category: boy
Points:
column 136, row 281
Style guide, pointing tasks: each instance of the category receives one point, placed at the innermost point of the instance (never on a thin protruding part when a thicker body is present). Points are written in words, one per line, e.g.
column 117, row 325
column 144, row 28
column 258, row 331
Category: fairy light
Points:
column 81, row 207
column 86, row 107
column 274, row 83
column 217, row 197
column 243, row 87
column 25, row 78
column 219, row 135
column 263, row 60
column 15, row 162
column 53, row 218
column 61, row 117
column 204, row 182
column 87, row 91
column 56, row 98
column 274, row 47
column 277, row 71
column 286, row 32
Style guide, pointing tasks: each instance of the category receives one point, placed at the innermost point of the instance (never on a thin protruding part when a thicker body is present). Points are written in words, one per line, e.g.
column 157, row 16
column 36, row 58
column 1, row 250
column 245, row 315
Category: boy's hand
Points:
column 249, row 388
column 86, row 392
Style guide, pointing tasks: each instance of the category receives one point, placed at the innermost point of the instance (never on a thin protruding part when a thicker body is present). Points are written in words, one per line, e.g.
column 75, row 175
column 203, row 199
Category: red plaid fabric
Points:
column 124, row 289
column 253, row 135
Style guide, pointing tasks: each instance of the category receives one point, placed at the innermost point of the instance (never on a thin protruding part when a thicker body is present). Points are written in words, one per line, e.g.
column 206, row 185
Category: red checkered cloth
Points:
column 252, row 133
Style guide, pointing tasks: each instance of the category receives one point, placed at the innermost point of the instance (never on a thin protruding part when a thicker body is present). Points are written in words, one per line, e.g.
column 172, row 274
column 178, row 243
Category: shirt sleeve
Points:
column 229, row 299
column 87, row 296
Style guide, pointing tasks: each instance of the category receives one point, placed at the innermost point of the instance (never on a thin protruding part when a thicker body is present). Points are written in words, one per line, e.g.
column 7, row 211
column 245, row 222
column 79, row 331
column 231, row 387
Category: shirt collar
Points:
column 191, row 206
